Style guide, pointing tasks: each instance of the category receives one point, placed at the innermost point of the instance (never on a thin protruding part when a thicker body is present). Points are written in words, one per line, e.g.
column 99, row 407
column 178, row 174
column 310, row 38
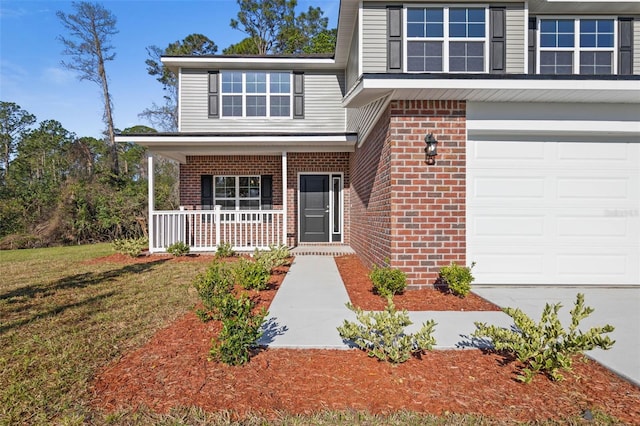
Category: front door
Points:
column 314, row 208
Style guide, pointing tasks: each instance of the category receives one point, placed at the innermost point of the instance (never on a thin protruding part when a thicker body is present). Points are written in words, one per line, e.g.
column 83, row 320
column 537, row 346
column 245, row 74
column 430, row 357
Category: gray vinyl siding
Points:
column 323, row 93
column 515, row 33
column 636, row 45
column 352, row 62
column 360, row 120
column 374, row 38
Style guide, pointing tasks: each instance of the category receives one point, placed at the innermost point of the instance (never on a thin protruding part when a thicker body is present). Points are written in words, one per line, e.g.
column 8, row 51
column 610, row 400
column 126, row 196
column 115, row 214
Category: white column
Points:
column 284, row 197
column 150, row 199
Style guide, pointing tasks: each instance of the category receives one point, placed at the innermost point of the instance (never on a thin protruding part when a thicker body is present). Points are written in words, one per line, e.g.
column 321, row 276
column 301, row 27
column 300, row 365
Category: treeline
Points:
column 56, row 188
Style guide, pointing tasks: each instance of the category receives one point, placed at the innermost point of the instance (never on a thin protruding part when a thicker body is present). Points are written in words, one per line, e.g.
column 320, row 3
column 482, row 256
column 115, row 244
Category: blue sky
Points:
column 30, row 54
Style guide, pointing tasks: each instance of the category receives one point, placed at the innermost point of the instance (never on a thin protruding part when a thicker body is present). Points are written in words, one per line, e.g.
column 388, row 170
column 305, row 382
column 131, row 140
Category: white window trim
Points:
column 267, row 94
column 237, row 198
column 576, row 49
column 445, row 39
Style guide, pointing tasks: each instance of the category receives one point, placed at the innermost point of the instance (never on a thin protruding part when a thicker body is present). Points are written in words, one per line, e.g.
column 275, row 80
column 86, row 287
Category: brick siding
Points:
column 403, row 209
column 248, row 165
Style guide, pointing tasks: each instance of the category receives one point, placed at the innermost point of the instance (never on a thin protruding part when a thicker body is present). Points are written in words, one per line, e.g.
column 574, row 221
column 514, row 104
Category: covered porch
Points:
column 268, row 178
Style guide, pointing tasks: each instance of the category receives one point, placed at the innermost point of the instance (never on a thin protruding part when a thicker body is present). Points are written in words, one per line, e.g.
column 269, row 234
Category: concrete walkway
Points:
column 310, row 305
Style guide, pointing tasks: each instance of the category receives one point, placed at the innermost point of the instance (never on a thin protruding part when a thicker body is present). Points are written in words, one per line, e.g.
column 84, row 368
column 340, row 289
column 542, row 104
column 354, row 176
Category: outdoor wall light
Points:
column 431, row 150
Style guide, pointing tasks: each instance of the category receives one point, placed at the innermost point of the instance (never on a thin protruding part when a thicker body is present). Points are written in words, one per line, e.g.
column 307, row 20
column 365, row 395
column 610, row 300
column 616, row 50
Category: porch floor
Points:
column 322, row 249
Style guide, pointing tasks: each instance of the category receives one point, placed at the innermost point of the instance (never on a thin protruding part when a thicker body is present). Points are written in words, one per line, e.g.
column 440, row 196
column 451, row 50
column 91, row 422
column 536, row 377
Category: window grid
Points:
column 570, row 45
column 237, row 192
column 259, row 94
column 432, row 32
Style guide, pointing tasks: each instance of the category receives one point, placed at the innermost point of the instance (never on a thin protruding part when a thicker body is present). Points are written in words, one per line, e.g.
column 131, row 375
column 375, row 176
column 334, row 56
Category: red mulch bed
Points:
column 356, row 278
column 172, row 370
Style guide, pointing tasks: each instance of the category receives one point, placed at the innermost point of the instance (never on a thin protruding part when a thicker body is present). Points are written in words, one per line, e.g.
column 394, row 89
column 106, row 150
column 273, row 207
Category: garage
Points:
column 553, row 200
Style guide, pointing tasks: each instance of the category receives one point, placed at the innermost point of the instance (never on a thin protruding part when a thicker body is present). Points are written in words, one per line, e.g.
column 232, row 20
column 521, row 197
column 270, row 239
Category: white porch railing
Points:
column 204, row 230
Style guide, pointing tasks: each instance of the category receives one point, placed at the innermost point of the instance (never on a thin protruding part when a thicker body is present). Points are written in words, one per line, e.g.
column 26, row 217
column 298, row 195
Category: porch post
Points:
column 150, row 186
column 284, row 197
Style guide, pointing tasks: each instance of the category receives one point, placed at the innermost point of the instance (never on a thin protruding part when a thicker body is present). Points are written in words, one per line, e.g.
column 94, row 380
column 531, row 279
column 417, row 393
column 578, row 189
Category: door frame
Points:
column 330, row 175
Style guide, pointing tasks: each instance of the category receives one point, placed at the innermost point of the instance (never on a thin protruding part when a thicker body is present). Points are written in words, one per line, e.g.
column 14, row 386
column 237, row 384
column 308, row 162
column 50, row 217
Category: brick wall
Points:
column 266, row 165
column 413, row 213
column 371, row 196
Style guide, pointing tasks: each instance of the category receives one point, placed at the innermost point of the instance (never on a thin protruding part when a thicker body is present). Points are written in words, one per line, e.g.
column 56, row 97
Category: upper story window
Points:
column 255, row 94
column 577, row 46
column 447, row 39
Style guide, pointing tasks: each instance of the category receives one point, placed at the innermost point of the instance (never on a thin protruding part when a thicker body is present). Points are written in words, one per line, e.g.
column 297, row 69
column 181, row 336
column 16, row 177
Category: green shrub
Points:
column 214, row 288
column 251, row 275
column 274, row 257
column 546, row 346
column 241, row 329
column 225, row 250
column 130, row 246
column 388, row 281
column 382, row 334
column 178, row 249
column 457, row 278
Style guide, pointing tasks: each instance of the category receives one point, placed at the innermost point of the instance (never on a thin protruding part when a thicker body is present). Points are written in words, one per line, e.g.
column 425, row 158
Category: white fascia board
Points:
column 499, row 84
column 249, row 62
column 555, row 127
column 235, row 139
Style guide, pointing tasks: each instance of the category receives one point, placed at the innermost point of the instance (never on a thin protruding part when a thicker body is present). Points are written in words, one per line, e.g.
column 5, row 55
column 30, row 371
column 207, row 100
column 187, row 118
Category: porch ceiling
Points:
column 178, row 146
column 503, row 88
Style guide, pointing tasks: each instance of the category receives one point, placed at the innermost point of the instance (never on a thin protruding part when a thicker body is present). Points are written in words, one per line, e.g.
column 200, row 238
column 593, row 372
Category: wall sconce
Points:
column 431, row 150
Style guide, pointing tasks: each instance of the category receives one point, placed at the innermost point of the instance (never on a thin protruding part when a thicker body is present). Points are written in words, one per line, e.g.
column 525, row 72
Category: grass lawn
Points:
column 62, row 318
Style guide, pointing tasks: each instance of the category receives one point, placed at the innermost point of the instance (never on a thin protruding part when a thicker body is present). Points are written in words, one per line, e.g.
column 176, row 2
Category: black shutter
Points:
column 298, row 94
column 394, row 39
column 497, row 38
column 266, row 192
column 213, row 94
column 625, row 43
column 206, row 191
column 533, row 23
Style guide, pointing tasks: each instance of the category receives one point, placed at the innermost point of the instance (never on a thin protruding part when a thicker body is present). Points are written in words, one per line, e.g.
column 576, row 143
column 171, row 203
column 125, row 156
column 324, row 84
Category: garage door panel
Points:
column 554, row 212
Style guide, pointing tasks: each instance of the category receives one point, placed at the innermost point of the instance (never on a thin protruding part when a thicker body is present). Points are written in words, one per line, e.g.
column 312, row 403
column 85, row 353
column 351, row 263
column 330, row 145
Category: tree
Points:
column 323, row 42
column 244, row 47
column 14, row 121
column 90, row 30
column 165, row 116
column 274, row 27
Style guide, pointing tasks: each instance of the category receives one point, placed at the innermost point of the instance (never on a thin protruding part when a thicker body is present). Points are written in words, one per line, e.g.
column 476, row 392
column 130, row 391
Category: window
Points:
column 237, row 192
column 447, row 39
column 256, row 94
column 577, row 46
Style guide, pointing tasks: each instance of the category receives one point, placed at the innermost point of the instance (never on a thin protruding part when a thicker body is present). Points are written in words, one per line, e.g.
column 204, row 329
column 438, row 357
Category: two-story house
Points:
column 535, row 106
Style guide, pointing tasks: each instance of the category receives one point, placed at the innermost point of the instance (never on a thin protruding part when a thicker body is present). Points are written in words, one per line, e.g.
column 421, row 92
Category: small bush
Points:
column 241, row 329
column 274, row 257
column 382, row 334
column 214, row 288
column 130, row 246
column 457, row 278
column 546, row 346
column 251, row 275
column 178, row 249
column 388, row 281
column 225, row 250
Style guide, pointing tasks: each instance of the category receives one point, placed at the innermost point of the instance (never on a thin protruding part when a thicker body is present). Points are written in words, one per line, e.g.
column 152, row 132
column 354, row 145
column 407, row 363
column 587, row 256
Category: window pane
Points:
column 605, row 40
column 249, row 205
column 256, row 82
column 588, row 26
column 256, row 106
column 476, row 30
column 547, row 26
column 476, row 15
column 556, row 62
column 424, row 56
column 466, row 22
column 415, row 29
column 226, row 204
column 466, row 57
column 458, row 15
column 232, row 106
column 605, row 25
column 280, row 106
column 595, row 63
column 231, row 82
column 547, row 40
column 435, row 30
column 587, row 40
column 280, row 82
column 565, row 26
column 415, row 15
column 565, row 40
column 435, row 16
column 225, row 186
column 457, row 30
column 556, row 33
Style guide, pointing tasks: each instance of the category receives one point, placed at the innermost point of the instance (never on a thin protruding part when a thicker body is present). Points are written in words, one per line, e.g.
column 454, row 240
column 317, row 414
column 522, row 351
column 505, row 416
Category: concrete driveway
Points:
column 618, row 306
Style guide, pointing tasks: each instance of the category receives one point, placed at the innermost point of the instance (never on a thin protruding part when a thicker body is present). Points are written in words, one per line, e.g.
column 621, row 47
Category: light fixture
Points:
column 431, row 150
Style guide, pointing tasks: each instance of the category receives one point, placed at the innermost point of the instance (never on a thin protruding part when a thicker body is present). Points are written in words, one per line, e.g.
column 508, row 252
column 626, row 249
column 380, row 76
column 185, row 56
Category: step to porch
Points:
column 326, row 249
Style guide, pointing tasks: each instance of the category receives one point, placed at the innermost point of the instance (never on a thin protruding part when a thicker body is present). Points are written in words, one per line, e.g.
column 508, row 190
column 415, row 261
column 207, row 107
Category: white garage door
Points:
column 548, row 212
